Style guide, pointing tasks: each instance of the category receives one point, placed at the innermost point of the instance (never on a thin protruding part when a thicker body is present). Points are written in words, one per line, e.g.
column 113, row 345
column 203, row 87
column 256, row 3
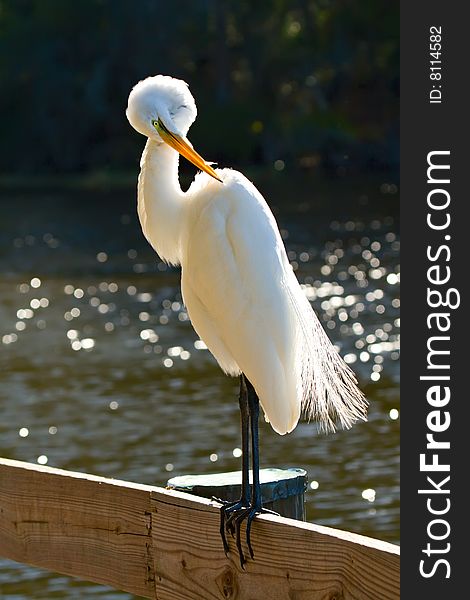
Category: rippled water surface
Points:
column 102, row 372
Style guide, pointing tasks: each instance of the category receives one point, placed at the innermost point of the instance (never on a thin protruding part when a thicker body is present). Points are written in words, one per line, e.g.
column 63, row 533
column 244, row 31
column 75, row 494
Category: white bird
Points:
column 241, row 294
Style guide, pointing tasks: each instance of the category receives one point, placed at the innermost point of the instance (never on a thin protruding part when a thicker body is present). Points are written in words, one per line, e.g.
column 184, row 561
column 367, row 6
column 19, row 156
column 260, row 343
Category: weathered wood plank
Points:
column 159, row 543
column 89, row 527
column 293, row 560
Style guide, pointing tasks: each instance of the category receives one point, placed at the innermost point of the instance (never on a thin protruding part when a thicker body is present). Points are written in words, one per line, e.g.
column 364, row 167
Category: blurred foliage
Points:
column 311, row 83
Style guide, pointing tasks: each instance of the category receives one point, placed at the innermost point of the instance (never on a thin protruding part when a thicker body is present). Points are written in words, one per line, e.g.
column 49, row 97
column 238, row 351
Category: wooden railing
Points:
column 165, row 544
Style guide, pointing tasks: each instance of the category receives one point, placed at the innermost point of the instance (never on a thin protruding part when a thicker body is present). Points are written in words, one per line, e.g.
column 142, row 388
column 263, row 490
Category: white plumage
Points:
column 240, row 291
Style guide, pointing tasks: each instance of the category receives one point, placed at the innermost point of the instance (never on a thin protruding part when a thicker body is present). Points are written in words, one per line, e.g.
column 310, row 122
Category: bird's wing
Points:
column 247, row 305
column 233, row 281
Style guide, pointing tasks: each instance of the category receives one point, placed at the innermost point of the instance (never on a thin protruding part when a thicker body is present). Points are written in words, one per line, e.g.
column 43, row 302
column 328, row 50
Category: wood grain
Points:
column 93, row 528
column 164, row 544
column 293, row 560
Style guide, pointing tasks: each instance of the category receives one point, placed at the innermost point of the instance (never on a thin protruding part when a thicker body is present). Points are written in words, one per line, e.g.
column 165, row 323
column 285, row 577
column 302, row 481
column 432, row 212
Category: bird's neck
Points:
column 161, row 200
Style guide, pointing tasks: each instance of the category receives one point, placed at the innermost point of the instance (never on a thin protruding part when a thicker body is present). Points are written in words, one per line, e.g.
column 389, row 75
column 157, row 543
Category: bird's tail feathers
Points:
column 329, row 392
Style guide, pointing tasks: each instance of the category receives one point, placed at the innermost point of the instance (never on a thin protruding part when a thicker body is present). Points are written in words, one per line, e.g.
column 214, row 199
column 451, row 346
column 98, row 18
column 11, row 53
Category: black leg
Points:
column 253, row 403
column 245, row 417
column 233, row 514
column 256, row 505
column 253, row 406
column 245, row 497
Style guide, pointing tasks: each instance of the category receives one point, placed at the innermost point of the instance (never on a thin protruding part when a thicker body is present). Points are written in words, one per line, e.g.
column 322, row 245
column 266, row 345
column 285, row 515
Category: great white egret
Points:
column 240, row 291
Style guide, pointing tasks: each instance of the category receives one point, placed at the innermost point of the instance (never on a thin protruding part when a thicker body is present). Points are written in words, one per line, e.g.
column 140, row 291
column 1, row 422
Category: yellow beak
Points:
column 182, row 146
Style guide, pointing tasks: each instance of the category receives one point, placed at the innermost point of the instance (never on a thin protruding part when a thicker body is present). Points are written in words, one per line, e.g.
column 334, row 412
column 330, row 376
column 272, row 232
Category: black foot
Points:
column 228, row 508
column 232, row 516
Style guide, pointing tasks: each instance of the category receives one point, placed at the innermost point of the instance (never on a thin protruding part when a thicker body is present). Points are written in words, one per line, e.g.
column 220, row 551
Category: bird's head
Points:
column 163, row 109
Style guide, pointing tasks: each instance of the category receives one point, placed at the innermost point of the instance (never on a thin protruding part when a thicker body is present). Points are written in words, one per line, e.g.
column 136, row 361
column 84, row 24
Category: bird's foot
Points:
column 227, row 509
column 232, row 516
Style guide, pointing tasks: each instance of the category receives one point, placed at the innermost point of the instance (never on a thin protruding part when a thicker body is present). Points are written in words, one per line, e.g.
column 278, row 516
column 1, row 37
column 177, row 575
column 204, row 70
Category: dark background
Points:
column 312, row 83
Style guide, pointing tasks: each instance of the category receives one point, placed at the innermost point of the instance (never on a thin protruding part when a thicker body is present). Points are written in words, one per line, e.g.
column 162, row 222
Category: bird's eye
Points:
column 157, row 123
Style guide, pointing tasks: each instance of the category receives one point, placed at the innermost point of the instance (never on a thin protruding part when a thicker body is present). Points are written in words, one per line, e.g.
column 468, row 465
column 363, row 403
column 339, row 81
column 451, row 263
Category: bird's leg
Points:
column 232, row 507
column 245, row 418
column 256, row 505
column 250, row 504
column 253, row 405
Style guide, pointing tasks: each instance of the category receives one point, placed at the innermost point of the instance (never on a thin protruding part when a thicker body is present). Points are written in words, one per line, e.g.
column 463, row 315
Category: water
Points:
column 102, row 372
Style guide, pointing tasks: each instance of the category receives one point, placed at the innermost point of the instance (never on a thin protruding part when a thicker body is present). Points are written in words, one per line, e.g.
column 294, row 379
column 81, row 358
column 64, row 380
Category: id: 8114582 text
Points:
column 435, row 64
